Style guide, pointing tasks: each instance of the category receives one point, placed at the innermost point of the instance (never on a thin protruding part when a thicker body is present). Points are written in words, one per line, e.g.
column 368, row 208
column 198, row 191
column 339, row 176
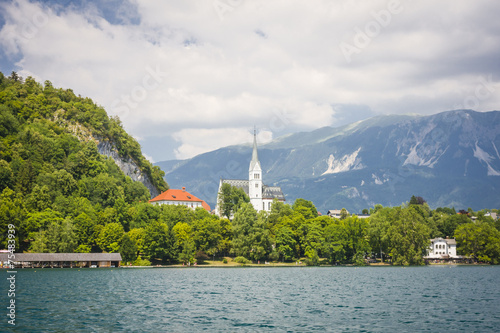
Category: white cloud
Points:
column 149, row 158
column 198, row 141
column 277, row 65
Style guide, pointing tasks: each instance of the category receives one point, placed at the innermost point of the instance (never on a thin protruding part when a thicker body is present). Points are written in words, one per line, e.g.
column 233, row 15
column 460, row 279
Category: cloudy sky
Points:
column 188, row 77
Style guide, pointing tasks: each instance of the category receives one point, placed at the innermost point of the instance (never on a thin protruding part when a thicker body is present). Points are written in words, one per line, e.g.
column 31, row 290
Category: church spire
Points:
column 255, row 154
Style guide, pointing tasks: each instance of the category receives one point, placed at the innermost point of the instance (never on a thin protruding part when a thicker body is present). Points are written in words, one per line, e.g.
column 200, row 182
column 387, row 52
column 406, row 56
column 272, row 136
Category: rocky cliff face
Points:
column 128, row 166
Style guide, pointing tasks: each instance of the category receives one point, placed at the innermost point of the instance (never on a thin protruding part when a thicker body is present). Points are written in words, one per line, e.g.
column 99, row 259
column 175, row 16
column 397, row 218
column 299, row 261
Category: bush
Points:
column 241, row 260
column 359, row 259
column 274, row 256
column 312, row 258
column 141, row 262
column 224, row 261
column 201, row 257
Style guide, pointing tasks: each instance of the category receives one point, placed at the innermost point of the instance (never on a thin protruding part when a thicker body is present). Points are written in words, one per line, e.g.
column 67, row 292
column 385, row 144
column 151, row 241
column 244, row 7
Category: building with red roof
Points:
column 179, row 197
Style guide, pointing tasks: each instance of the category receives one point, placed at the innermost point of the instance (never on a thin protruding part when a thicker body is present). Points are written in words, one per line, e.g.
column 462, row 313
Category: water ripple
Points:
column 249, row 299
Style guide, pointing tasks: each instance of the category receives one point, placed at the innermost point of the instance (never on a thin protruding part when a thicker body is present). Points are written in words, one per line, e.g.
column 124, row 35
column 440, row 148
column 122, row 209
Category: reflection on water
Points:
column 437, row 298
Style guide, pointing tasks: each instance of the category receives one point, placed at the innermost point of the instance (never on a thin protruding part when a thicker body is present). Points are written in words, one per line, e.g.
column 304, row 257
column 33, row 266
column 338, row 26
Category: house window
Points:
column 269, row 205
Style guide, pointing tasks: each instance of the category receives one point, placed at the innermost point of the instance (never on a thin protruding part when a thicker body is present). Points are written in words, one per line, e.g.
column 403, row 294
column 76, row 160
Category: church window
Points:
column 256, row 176
column 256, row 185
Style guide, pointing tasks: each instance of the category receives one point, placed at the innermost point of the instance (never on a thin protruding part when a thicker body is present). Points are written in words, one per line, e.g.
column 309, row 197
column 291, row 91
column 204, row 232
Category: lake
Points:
column 289, row 299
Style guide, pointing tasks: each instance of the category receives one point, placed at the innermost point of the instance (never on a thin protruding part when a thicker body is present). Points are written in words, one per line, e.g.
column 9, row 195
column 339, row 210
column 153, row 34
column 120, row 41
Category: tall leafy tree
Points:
column 231, row 199
column 335, row 242
column 243, row 222
column 285, row 242
column 408, row 237
column 159, row 242
column 251, row 237
column 480, row 241
column 378, row 226
column 110, row 236
column 128, row 249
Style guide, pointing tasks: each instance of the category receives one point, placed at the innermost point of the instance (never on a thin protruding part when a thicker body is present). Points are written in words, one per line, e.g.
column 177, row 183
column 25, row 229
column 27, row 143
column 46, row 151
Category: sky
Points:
column 188, row 77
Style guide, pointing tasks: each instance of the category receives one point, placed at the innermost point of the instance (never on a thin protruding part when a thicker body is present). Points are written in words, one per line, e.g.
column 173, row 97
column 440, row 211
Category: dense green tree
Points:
column 408, row 237
column 110, row 236
column 6, row 175
column 140, row 214
column 225, row 243
column 313, row 242
column 416, row 200
column 260, row 238
column 243, row 221
column 231, row 199
column 447, row 224
column 335, row 242
column 343, row 214
column 377, row 231
column 446, row 210
column 297, row 224
column 306, row 208
column 12, row 211
column 188, row 251
column 357, row 243
column 182, row 233
column 58, row 237
column 251, row 237
column 85, row 230
column 128, row 249
column 479, row 240
column 207, row 234
column 159, row 242
column 278, row 210
column 285, row 242
column 68, row 241
column 137, row 235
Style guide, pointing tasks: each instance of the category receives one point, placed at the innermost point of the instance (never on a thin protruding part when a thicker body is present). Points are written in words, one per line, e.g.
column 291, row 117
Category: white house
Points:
column 261, row 196
column 179, row 197
column 336, row 213
column 442, row 249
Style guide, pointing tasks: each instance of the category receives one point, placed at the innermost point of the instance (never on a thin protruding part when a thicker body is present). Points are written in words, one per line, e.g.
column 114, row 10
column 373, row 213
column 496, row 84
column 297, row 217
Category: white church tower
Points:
column 255, row 178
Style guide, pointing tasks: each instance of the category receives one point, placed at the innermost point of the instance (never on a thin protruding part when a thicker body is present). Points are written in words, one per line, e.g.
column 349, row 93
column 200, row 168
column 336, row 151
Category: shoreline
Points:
column 243, row 266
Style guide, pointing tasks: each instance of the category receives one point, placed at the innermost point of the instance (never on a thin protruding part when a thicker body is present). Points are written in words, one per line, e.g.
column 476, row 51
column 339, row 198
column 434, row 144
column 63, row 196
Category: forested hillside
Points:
column 55, row 186
column 59, row 194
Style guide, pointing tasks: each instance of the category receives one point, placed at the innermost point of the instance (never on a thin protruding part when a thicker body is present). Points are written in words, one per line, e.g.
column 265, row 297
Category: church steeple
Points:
column 255, row 154
column 255, row 177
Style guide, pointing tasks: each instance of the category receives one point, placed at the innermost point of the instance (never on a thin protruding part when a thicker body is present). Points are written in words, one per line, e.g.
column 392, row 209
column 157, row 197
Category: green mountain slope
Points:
column 54, row 181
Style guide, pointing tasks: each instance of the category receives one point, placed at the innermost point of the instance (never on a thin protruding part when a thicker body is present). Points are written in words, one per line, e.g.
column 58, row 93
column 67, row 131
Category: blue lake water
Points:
column 295, row 299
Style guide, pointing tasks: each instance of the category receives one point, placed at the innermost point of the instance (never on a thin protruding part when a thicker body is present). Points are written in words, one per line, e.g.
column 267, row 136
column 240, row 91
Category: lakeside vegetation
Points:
column 55, row 187
column 63, row 196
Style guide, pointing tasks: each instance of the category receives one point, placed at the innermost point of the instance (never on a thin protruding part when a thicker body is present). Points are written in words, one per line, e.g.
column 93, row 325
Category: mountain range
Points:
column 450, row 159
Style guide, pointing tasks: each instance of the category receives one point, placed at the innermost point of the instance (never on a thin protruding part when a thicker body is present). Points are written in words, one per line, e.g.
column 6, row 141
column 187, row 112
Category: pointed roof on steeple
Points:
column 255, row 154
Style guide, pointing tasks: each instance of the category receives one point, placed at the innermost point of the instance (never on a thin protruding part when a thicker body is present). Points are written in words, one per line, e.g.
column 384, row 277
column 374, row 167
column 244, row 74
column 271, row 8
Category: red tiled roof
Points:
column 179, row 195
column 206, row 206
column 176, row 195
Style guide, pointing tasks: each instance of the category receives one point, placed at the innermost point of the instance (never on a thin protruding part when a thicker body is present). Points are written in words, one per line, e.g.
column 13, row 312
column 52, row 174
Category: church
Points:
column 261, row 196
